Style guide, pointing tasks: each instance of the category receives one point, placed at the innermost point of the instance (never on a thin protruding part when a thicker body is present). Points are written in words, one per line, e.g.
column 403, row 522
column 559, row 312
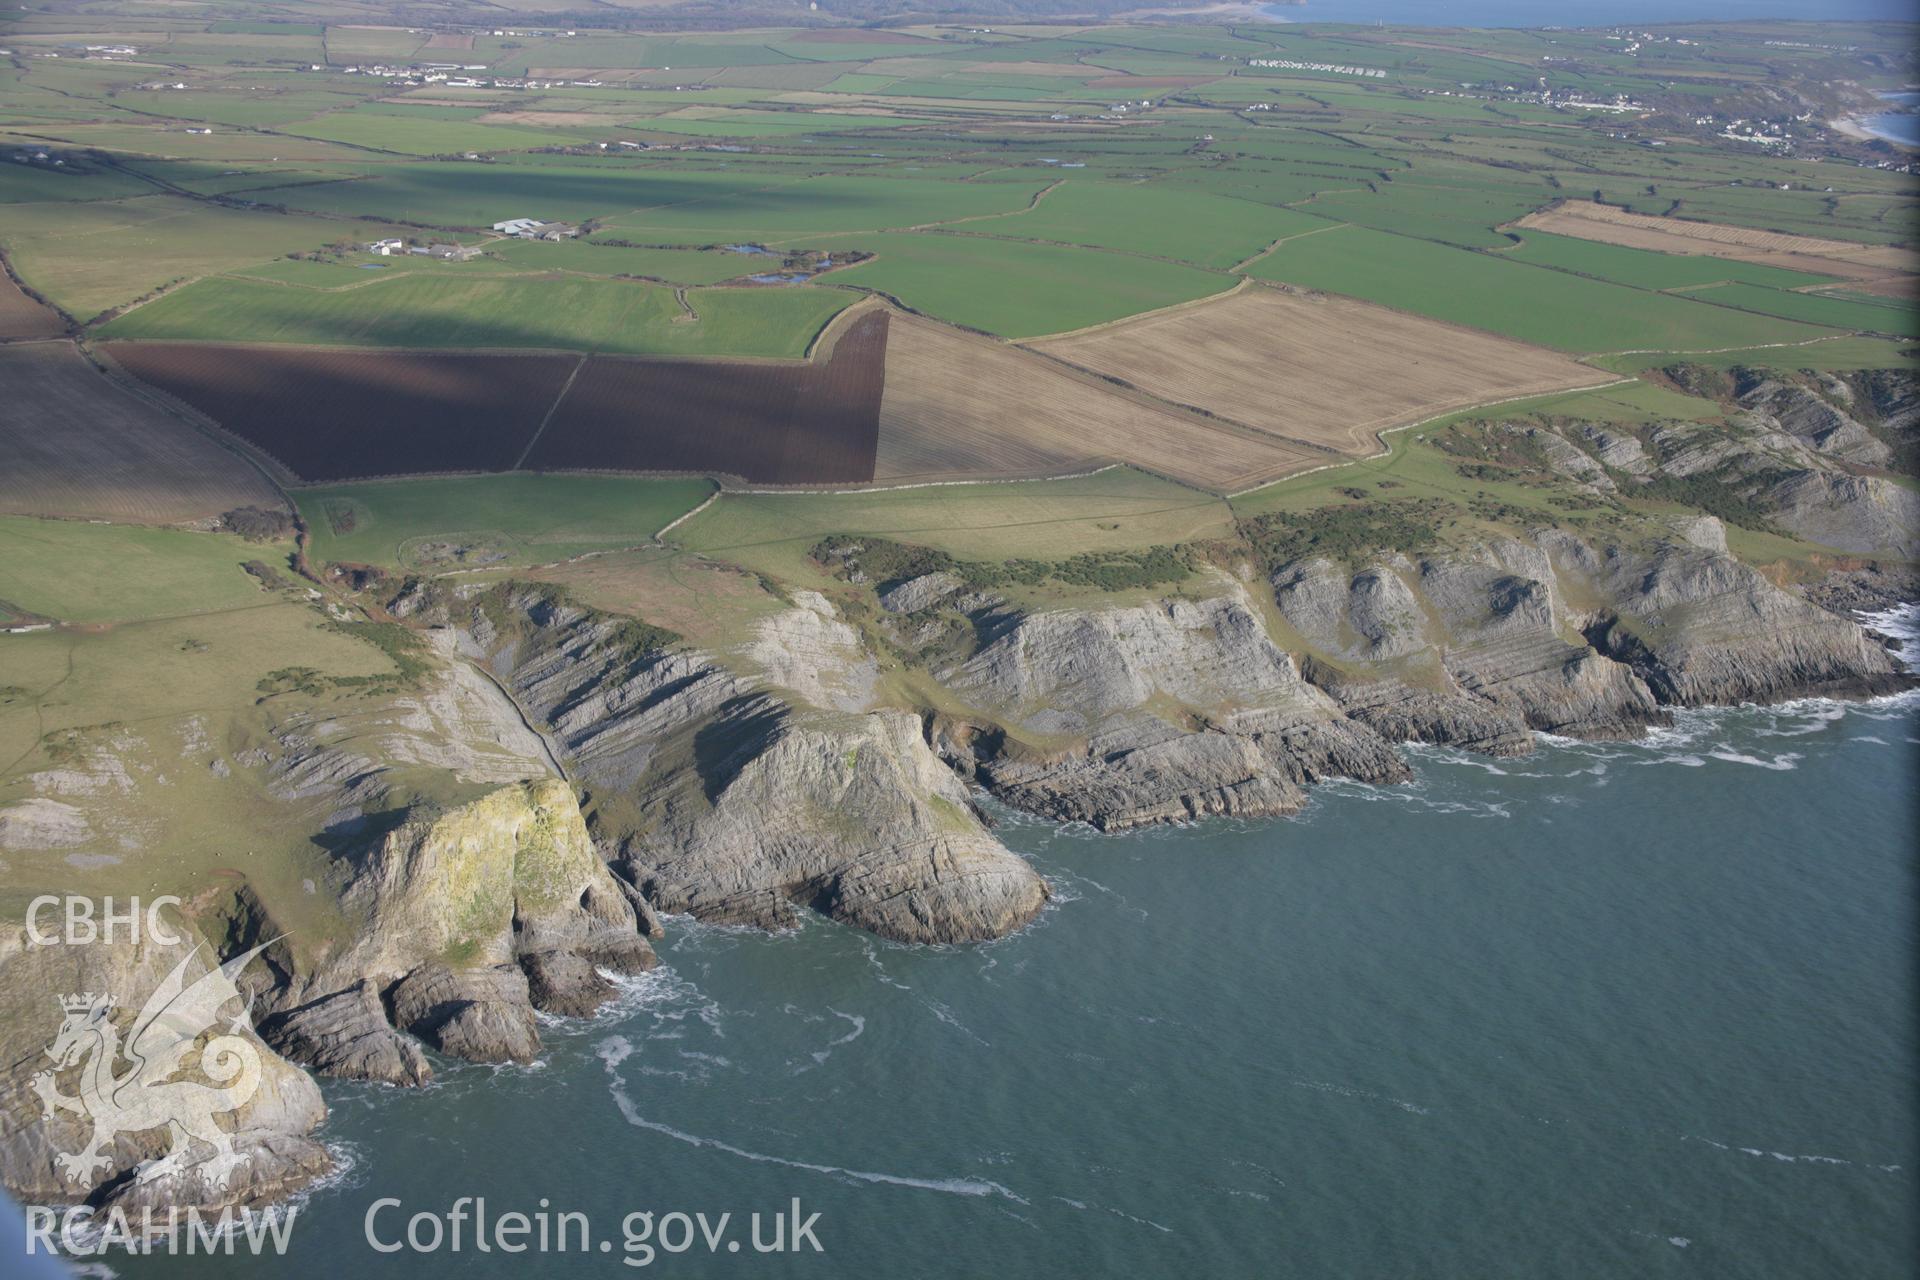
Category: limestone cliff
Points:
column 728, row 797
column 1124, row 716
column 462, row 925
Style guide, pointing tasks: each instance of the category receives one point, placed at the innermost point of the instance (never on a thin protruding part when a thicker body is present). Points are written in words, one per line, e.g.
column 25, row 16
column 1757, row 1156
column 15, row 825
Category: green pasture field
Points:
column 345, row 42
column 565, row 313
column 1116, row 509
column 860, row 142
column 356, row 269
column 1432, row 212
column 1192, row 226
column 502, row 520
column 722, row 123
column 1765, row 207
column 810, row 206
column 1647, row 269
column 424, row 137
column 1893, row 316
column 687, row 265
column 78, row 571
column 236, row 106
column 43, row 183
column 479, row 195
column 1019, row 290
column 93, row 256
column 225, row 145
column 1532, row 304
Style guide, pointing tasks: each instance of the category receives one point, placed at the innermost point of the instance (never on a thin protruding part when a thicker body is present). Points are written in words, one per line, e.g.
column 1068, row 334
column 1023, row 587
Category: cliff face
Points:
column 1473, row 649
column 1556, row 636
column 1701, row 628
column 274, row 1154
column 1176, row 710
column 1187, row 708
column 728, row 797
column 464, row 924
column 490, row 843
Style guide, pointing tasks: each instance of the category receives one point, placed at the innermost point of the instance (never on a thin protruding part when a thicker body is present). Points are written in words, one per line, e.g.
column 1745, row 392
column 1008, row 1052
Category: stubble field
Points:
column 958, row 406
column 1605, row 223
column 1314, row 369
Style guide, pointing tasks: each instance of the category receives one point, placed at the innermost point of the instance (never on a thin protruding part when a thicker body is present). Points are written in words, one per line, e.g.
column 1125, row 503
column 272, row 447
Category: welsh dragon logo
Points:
column 163, row 1040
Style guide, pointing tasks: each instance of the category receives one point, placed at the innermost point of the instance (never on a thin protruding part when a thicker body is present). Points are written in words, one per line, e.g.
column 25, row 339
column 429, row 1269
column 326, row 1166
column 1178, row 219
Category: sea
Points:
column 1614, row 1009
column 1900, row 124
column 1581, row 13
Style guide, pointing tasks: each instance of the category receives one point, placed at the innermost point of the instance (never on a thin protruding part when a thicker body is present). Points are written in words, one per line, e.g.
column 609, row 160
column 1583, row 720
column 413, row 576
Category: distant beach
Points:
column 1900, row 126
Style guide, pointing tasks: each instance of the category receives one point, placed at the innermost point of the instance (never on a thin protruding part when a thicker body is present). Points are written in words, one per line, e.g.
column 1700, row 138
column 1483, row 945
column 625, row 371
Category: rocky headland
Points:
column 498, row 840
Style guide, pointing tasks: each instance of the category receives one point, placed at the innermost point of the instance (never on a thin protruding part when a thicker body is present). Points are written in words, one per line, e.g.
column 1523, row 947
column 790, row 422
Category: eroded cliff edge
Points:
column 491, row 835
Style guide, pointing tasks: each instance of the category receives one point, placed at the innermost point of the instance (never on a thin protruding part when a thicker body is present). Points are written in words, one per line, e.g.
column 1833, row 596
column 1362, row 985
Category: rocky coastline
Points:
column 598, row 775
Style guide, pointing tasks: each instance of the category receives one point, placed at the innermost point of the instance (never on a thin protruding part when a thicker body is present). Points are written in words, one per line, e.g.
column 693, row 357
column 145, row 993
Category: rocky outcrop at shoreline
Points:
column 1187, row 708
column 500, row 836
column 1160, row 713
column 466, row 923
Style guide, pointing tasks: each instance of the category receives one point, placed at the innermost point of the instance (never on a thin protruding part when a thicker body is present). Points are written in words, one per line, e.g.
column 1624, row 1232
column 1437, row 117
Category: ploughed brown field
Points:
column 1313, row 369
column 22, row 317
column 339, row 415
column 765, row 422
column 1843, row 258
column 959, row 406
column 78, row 443
column 327, row 415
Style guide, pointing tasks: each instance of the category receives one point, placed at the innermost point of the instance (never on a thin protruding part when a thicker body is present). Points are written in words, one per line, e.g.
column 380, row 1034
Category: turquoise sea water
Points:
column 1613, row 1010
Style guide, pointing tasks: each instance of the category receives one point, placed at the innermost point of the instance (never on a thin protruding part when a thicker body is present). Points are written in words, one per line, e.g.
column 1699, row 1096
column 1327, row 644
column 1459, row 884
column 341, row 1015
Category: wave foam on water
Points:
column 616, row 1050
column 1901, row 624
column 1761, row 1153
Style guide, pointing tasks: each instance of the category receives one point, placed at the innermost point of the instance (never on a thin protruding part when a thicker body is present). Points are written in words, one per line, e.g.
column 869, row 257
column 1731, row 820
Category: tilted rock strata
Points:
column 735, row 804
column 1170, row 711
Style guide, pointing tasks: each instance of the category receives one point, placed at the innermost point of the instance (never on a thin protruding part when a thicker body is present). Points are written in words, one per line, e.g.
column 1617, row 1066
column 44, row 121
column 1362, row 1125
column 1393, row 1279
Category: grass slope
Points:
column 503, row 519
column 569, row 313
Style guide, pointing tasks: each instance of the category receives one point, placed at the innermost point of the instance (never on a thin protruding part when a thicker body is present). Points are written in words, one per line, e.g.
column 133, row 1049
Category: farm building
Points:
column 534, row 229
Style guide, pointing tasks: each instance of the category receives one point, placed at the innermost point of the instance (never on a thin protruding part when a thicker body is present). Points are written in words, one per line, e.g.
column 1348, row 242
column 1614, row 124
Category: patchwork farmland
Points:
column 1313, row 369
column 78, row 444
